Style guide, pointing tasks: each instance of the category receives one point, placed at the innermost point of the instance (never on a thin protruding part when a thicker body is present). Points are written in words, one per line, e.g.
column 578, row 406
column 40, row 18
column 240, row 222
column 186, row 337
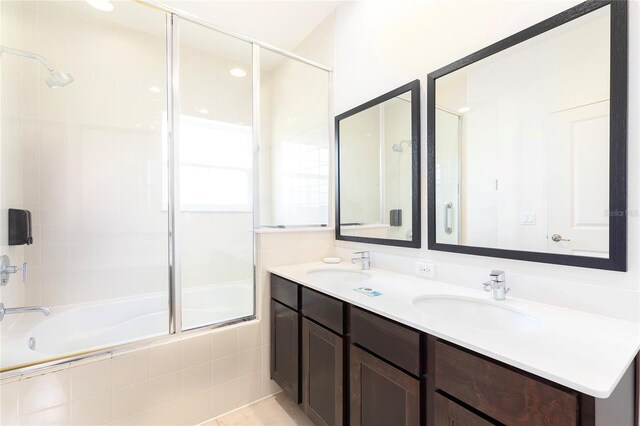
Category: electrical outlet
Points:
column 425, row 270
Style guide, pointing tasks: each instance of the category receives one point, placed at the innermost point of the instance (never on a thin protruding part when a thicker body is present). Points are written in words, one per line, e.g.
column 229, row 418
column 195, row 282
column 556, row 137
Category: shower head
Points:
column 58, row 79
column 398, row 146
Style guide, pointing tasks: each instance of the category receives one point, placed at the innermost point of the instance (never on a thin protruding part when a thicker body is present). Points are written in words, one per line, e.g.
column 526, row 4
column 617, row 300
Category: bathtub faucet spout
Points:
column 25, row 309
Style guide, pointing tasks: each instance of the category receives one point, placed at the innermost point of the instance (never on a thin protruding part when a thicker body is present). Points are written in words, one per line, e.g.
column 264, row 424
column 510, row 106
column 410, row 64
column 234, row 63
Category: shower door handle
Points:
column 448, row 213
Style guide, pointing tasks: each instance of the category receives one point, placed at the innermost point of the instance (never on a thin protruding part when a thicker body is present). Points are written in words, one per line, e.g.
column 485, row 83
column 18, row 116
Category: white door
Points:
column 578, row 186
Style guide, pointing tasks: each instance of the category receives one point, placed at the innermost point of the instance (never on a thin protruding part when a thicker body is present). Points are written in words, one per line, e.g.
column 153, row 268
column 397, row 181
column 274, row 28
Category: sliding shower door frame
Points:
column 173, row 107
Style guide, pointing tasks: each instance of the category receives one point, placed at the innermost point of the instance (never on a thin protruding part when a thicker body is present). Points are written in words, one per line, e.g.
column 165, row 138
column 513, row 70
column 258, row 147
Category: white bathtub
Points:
column 90, row 326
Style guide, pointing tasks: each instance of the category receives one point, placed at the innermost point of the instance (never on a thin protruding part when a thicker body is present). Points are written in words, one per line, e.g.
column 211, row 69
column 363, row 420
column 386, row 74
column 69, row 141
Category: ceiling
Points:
column 282, row 24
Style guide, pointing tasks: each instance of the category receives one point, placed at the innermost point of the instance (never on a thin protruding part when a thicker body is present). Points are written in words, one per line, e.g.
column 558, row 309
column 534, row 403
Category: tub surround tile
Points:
column 43, row 392
column 196, row 408
column 249, row 361
column 170, row 414
column 224, row 342
column 9, row 407
column 130, row 400
column 90, row 379
column 164, row 359
column 196, row 378
column 138, row 419
column 224, row 369
column 164, row 389
column 196, row 350
column 95, row 410
column 58, row 415
column 250, row 388
column 130, row 368
column 249, row 336
column 224, row 397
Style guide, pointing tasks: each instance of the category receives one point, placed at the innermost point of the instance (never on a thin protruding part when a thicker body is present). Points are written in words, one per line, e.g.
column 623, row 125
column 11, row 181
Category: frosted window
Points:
column 215, row 165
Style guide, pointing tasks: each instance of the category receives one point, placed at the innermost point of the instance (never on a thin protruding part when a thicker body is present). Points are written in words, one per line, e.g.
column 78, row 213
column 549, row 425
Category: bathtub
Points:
column 73, row 329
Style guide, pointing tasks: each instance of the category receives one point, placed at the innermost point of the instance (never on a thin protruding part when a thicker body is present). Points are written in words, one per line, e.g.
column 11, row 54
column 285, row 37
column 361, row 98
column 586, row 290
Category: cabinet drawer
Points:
column 323, row 309
column 285, row 292
column 448, row 413
column 396, row 343
column 503, row 394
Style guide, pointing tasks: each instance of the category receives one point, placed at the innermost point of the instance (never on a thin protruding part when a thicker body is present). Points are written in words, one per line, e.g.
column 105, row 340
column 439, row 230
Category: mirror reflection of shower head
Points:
column 55, row 80
column 398, row 146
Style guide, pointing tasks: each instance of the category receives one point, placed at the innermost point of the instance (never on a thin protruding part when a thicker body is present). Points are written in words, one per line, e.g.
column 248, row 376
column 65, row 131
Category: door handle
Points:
column 448, row 217
column 557, row 238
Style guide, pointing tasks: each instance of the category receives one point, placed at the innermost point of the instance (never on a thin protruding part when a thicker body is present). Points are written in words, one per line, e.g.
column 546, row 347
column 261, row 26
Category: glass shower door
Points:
column 214, row 176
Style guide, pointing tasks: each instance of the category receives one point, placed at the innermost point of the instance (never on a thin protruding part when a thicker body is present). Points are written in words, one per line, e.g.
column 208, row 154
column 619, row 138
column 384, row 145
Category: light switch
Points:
column 527, row 218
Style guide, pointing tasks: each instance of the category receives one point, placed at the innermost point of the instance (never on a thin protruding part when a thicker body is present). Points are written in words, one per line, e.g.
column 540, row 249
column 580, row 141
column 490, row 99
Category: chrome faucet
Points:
column 497, row 285
column 364, row 259
column 24, row 309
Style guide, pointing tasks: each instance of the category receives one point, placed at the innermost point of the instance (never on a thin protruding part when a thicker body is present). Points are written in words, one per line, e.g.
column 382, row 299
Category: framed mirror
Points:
column 378, row 170
column 527, row 144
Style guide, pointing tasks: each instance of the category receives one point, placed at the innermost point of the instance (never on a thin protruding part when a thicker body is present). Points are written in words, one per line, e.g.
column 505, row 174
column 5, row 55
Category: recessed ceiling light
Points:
column 155, row 89
column 464, row 109
column 103, row 5
column 238, row 72
column 203, row 111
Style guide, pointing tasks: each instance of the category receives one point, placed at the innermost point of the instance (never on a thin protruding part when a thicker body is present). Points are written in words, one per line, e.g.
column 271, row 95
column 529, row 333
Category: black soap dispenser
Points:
column 20, row 227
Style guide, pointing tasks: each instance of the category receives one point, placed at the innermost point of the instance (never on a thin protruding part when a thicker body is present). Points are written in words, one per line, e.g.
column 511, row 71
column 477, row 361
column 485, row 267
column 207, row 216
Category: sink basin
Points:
column 338, row 275
column 477, row 313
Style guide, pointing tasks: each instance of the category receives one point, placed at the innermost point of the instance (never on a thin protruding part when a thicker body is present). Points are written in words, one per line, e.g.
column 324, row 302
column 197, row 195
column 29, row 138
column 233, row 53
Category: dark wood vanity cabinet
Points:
column 285, row 336
column 349, row 366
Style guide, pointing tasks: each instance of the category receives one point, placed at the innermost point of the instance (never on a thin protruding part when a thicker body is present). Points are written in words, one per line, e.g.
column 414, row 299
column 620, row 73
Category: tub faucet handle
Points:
column 6, row 270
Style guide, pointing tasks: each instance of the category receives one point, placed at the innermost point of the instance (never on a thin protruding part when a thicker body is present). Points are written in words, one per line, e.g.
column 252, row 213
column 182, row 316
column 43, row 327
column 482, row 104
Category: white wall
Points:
column 382, row 45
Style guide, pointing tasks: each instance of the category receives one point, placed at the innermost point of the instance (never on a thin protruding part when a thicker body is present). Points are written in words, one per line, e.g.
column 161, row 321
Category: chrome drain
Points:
column 32, row 343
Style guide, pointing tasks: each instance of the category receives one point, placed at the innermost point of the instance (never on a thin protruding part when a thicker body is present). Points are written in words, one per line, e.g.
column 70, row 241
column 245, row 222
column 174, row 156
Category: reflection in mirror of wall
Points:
column 378, row 149
column 522, row 144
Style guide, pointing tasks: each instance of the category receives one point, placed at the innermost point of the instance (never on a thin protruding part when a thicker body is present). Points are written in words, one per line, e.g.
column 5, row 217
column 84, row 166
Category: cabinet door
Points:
column 322, row 376
column 285, row 349
column 448, row 413
column 382, row 395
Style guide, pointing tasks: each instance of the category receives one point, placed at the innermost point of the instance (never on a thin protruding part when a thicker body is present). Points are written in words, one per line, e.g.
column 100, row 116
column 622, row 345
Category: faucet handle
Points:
column 497, row 275
column 365, row 253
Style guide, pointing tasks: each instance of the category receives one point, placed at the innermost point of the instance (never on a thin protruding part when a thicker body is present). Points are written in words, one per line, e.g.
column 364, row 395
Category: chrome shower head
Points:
column 58, row 79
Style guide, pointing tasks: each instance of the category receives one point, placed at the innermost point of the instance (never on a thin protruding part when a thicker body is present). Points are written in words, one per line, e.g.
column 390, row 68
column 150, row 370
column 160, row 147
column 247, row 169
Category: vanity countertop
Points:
column 585, row 352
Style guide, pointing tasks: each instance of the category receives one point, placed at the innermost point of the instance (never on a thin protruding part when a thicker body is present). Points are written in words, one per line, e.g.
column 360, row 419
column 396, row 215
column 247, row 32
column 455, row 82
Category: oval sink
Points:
column 477, row 313
column 338, row 275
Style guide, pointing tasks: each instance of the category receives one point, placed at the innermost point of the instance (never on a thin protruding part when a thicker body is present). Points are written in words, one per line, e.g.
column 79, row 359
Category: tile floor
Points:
column 275, row 410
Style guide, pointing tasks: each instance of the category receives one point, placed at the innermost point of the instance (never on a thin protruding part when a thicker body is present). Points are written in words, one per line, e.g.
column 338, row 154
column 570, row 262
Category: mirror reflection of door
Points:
column 578, row 186
column 448, row 126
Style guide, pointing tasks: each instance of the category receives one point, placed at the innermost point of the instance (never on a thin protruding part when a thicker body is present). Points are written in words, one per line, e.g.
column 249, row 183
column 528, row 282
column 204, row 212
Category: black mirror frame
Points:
column 415, row 242
column 617, row 260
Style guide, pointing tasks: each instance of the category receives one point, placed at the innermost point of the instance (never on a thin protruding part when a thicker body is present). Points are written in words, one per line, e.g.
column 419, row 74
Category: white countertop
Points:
column 582, row 351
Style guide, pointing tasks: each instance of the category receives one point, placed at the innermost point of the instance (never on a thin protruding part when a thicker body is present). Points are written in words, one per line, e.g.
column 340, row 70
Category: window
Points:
column 215, row 166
